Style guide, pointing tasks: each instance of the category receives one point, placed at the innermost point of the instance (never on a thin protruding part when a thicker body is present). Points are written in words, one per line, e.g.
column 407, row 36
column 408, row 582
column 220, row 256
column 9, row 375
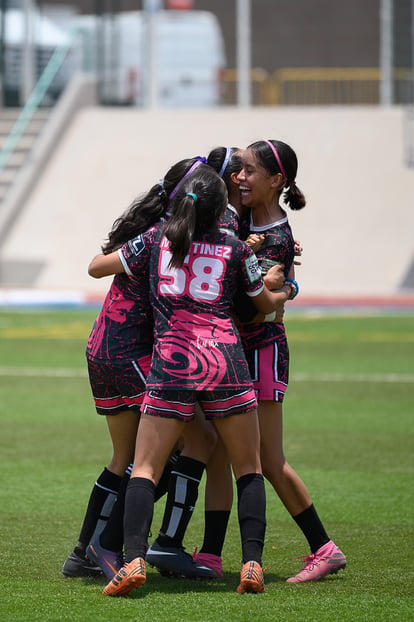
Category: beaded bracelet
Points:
column 295, row 285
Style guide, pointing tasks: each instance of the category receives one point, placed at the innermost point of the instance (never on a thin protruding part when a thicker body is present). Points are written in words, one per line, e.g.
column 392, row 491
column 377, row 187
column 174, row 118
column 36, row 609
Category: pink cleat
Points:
column 211, row 561
column 329, row 559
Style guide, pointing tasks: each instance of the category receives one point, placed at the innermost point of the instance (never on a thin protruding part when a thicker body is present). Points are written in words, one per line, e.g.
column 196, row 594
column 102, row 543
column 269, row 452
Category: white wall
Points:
column 357, row 229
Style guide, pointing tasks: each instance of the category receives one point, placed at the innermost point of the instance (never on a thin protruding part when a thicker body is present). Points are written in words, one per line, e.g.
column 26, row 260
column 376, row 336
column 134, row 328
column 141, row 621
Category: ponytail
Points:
column 180, row 230
column 294, row 197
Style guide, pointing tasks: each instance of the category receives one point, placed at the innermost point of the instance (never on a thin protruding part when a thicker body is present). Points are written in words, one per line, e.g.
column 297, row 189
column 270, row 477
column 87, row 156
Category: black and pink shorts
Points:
column 180, row 404
column 269, row 370
column 117, row 388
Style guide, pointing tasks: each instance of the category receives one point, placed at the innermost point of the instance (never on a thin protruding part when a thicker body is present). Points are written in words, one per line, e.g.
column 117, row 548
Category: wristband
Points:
column 295, row 285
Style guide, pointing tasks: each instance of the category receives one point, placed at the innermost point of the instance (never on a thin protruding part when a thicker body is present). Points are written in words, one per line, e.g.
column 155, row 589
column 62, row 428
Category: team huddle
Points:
column 189, row 362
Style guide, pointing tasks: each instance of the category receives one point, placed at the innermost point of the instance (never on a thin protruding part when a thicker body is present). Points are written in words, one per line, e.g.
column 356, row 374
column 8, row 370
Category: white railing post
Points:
column 243, row 44
column 386, row 53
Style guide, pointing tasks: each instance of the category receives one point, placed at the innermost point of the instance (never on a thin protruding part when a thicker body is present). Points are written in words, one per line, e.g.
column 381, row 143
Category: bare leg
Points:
column 240, row 435
column 156, row 440
column 219, row 485
column 285, row 481
column 199, row 438
column 123, row 430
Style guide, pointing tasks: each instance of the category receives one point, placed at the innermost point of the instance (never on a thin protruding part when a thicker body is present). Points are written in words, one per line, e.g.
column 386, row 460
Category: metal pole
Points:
column 386, row 53
column 152, row 8
column 3, row 6
column 100, row 53
column 243, row 53
column 28, row 77
column 412, row 50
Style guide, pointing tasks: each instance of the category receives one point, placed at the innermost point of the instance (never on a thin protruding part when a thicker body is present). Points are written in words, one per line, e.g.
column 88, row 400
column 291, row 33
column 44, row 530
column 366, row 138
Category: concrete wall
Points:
column 357, row 229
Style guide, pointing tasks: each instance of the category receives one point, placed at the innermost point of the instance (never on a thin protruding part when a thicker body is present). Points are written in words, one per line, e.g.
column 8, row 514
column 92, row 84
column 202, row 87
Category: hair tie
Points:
column 278, row 160
column 225, row 161
column 192, row 195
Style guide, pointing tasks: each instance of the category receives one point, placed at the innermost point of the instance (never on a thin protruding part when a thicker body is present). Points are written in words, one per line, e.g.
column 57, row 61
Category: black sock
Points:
column 312, row 528
column 112, row 536
column 139, row 509
column 182, row 496
column 162, row 485
column 215, row 527
column 100, row 504
column 252, row 515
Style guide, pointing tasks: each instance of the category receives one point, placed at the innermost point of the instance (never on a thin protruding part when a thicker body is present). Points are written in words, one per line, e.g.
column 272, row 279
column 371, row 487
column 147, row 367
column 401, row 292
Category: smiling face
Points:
column 257, row 186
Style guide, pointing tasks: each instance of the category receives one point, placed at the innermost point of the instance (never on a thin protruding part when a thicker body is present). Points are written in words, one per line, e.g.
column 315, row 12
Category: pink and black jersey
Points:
column 123, row 329
column 278, row 247
column 230, row 222
column 197, row 345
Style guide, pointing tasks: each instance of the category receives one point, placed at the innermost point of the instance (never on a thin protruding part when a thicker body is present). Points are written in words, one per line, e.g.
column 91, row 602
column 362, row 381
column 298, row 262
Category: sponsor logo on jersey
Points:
column 137, row 245
column 253, row 268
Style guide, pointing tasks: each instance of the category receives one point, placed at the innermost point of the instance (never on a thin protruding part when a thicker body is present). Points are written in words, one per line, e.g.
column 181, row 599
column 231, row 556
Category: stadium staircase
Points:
column 24, row 146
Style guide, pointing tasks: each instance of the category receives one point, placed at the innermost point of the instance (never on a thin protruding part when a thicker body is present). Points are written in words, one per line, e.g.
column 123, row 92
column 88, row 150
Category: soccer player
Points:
column 268, row 175
column 167, row 553
column 195, row 271
column 119, row 354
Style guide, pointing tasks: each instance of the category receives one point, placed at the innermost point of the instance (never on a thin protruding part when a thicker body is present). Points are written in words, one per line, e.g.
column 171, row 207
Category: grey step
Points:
column 7, row 176
column 3, row 192
column 17, row 159
column 7, row 114
column 32, row 127
column 25, row 143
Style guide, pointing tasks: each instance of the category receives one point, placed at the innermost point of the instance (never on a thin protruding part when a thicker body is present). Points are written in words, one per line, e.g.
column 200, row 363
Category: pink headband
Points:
column 278, row 160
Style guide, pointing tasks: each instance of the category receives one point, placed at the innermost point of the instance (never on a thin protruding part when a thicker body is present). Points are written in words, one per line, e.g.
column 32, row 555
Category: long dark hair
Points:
column 147, row 209
column 286, row 157
column 196, row 209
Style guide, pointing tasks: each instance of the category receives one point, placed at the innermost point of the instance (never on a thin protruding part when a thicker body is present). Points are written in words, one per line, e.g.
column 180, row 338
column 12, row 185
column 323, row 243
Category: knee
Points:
column 200, row 446
column 273, row 468
column 119, row 464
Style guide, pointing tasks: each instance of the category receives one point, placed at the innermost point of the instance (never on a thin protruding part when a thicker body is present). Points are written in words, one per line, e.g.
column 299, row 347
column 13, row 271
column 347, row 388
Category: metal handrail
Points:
column 36, row 97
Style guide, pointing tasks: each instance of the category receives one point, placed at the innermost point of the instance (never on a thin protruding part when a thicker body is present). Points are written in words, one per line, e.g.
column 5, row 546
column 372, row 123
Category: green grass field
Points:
column 349, row 430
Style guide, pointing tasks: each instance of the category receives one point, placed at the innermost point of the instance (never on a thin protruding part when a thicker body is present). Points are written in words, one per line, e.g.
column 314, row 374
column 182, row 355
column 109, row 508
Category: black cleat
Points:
column 175, row 562
column 76, row 566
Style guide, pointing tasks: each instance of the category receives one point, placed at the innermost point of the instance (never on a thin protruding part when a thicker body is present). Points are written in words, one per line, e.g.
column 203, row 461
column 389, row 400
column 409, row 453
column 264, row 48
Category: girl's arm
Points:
column 105, row 265
column 298, row 253
column 268, row 302
column 275, row 277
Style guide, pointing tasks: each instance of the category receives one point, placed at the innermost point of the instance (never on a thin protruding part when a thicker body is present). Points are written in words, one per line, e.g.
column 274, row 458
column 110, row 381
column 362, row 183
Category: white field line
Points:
column 328, row 377
column 43, row 372
column 62, row 372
